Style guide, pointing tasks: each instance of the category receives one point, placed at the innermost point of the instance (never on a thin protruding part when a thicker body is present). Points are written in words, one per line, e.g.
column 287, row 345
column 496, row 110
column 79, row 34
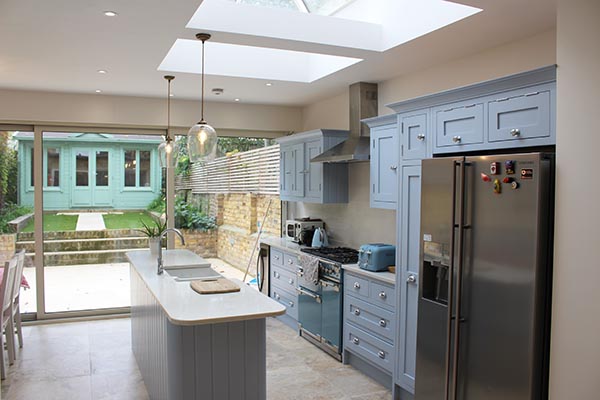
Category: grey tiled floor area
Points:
column 93, row 360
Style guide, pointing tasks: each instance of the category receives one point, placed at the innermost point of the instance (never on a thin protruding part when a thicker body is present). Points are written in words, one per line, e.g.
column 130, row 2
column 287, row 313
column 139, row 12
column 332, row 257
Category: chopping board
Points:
column 220, row 285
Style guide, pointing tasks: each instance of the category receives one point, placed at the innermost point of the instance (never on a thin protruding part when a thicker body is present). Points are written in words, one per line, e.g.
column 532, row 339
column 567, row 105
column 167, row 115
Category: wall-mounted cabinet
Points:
column 384, row 144
column 302, row 180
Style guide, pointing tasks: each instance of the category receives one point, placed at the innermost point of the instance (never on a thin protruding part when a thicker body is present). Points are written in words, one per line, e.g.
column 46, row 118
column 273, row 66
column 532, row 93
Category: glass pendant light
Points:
column 167, row 150
column 202, row 138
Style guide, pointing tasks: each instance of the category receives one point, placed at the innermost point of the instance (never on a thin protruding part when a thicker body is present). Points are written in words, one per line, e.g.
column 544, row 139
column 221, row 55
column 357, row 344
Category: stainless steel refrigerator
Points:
column 486, row 268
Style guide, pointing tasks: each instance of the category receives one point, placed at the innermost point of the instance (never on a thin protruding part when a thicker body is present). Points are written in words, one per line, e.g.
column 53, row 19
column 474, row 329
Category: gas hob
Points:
column 342, row 255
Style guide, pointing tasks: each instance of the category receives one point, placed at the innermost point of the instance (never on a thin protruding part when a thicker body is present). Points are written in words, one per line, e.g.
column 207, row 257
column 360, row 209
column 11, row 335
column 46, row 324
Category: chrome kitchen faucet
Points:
column 160, row 257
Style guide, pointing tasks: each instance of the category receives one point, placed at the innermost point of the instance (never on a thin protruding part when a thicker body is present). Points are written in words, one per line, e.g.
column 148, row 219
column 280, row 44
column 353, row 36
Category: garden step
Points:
column 86, row 244
column 71, row 235
column 61, row 258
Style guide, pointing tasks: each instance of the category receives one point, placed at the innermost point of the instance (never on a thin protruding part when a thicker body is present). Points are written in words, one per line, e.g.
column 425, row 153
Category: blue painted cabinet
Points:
column 305, row 181
column 409, row 221
column 283, row 284
column 459, row 124
column 416, row 135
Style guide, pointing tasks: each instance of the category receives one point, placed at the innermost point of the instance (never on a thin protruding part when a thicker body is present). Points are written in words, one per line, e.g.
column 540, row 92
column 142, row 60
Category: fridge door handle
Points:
column 448, row 378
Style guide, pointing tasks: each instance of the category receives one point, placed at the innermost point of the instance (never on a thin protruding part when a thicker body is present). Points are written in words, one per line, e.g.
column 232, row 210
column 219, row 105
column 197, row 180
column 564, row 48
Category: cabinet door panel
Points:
column 415, row 136
column 384, row 164
column 313, row 175
column 287, row 170
column 457, row 125
column 297, row 188
column 408, row 261
column 520, row 117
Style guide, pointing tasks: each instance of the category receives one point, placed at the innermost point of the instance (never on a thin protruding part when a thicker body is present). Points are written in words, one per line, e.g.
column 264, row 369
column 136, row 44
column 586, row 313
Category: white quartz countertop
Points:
column 183, row 306
column 282, row 243
column 383, row 276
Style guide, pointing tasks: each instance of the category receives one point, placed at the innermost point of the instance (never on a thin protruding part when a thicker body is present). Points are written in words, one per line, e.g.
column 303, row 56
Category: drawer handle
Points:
column 355, row 340
column 291, row 281
column 381, row 354
column 276, row 257
column 290, row 261
column 420, row 137
column 276, row 275
column 382, row 323
column 277, row 296
column 356, row 285
column 382, row 295
column 456, row 139
column 393, row 167
column 356, row 311
column 515, row 132
column 411, row 279
column 291, row 304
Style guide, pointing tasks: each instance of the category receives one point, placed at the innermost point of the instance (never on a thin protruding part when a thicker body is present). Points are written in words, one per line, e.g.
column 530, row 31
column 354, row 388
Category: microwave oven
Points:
column 294, row 227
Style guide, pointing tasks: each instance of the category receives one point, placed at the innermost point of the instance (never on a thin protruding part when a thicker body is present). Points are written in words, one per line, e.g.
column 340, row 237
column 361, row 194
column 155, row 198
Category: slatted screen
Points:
column 255, row 171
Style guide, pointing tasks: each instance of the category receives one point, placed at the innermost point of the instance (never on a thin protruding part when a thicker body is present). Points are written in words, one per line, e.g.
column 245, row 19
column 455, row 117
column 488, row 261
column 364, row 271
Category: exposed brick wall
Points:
column 202, row 243
column 7, row 247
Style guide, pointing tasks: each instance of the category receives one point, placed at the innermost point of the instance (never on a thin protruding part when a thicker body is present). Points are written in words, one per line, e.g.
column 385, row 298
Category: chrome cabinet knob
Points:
column 420, row 137
column 276, row 257
column 382, row 323
column 356, row 285
column 393, row 167
column 355, row 340
column 356, row 311
column 291, row 304
column 277, row 296
column 381, row 354
column 290, row 262
column 276, row 275
column 456, row 139
column 382, row 295
column 291, row 281
column 411, row 279
column 515, row 132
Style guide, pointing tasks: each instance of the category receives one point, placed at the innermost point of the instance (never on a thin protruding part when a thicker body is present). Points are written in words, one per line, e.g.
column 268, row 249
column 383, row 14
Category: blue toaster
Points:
column 376, row 256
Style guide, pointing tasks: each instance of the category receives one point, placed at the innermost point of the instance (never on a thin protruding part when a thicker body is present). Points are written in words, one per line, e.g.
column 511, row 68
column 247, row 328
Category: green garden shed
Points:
column 92, row 171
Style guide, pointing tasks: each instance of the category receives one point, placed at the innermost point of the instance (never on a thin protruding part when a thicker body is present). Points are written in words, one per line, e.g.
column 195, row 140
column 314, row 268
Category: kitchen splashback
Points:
column 354, row 223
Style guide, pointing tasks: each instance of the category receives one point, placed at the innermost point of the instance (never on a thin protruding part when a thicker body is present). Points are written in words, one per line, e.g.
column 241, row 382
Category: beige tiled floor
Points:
column 93, row 360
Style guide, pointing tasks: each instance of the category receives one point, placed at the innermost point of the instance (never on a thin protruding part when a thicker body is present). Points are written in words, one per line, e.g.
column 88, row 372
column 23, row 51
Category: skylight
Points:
column 321, row 7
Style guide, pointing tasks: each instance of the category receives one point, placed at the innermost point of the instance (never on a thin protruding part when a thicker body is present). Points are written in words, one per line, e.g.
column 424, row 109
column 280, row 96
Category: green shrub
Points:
column 10, row 212
column 188, row 216
column 158, row 204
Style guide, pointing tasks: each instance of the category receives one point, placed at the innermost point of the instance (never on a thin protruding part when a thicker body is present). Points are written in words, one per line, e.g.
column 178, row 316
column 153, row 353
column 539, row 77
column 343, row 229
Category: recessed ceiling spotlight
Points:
column 102, row 71
column 236, row 99
column 98, row 91
column 269, row 84
column 110, row 13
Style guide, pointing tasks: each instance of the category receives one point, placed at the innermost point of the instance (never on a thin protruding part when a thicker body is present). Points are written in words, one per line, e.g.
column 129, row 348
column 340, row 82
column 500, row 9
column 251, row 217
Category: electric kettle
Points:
column 320, row 238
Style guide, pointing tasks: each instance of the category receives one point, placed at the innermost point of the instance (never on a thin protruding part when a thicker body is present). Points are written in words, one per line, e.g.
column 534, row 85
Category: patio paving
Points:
column 96, row 286
column 90, row 222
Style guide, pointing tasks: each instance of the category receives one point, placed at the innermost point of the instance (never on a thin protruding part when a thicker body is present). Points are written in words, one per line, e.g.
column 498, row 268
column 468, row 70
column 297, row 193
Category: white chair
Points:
column 15, row 308
column 6, row 315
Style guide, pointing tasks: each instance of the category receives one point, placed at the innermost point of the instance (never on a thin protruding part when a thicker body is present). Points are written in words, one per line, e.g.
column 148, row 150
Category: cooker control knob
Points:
column 356, row 311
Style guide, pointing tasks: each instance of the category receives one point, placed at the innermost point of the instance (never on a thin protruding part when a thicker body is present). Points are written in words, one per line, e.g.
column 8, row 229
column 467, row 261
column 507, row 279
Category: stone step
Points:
column 86, row 244
column 62, row 258
column 73, row 235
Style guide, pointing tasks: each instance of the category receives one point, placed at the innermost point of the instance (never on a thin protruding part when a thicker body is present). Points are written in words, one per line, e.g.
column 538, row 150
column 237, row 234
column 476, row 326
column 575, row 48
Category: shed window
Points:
column 137, row 168
column 51, row 167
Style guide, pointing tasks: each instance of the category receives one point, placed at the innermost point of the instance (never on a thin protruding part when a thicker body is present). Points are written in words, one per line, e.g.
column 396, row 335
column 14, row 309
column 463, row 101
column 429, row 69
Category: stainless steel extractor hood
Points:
column 363, row 104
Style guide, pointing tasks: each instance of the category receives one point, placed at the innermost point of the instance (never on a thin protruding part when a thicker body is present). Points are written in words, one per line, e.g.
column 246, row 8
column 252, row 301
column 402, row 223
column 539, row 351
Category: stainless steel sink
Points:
column 193, row 273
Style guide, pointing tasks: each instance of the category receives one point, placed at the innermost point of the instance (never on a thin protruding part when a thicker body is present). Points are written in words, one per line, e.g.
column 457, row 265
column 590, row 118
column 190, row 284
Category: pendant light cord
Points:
column 169, row 114
column 202, row 111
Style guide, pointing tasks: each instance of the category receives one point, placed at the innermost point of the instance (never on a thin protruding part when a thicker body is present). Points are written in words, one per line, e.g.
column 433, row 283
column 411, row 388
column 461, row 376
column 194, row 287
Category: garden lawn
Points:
column 55, row 223
column 127, row 220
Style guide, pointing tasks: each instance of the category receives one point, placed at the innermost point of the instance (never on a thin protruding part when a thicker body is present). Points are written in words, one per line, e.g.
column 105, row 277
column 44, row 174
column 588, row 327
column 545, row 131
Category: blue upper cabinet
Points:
column 305, row 181
column 416, row 135
column 385, row 153
column 459, row 124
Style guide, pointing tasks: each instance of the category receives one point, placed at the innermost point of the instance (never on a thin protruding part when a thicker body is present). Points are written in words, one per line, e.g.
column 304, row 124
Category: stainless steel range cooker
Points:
column 320, row 302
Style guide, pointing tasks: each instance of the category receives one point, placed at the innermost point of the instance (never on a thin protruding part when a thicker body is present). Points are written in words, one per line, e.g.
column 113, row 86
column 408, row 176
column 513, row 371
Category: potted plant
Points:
column 153, row 232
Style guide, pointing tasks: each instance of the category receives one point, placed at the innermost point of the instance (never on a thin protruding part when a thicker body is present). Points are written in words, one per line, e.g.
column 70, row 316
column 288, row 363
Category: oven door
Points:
column 309, row 312
column 331, row 316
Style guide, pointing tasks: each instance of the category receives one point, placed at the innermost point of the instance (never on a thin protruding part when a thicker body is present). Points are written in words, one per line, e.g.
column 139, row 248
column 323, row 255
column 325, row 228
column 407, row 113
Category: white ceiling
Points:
column 59, row 45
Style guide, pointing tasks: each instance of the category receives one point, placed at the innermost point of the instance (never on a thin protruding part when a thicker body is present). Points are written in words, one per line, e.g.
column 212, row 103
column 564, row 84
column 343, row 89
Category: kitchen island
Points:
column 192, row 346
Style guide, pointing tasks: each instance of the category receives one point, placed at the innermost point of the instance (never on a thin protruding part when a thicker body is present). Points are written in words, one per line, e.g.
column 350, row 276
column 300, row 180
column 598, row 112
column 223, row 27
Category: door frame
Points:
column 38, row 143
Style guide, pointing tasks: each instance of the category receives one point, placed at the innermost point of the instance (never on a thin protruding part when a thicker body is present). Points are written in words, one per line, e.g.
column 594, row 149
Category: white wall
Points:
column 122, row 111
column 575, row 353
column 355, row 223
